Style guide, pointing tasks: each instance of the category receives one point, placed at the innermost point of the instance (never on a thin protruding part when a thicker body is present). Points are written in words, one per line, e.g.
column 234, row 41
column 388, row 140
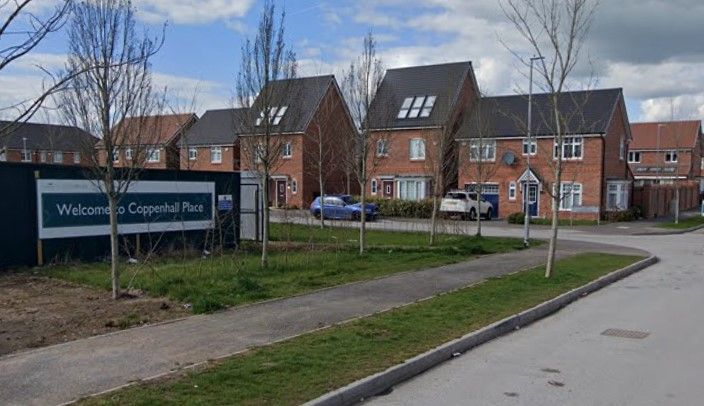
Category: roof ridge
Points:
column 611, row 89
column 430, row 65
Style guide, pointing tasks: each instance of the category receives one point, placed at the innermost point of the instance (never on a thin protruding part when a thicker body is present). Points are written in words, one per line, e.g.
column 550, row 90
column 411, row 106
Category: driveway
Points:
column 566, row 360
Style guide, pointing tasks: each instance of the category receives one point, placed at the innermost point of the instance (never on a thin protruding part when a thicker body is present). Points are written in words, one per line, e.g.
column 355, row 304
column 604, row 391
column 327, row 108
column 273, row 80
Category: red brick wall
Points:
column 68, row 157
column 586, row 171
column 168, row 158
column 230, row 159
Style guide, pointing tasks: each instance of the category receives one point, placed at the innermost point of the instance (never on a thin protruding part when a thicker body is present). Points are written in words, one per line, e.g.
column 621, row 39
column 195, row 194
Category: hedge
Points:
column 402, row 208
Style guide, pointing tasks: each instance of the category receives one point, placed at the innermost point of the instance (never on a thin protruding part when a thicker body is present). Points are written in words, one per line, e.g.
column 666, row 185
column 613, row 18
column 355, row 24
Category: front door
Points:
column 388, row 186
column 532, row 196
column 280, row 193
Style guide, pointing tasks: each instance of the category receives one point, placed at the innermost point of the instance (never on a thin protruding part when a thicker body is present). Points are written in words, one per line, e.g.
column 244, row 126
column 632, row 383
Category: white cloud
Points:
column 192, row 94
column 192, row 12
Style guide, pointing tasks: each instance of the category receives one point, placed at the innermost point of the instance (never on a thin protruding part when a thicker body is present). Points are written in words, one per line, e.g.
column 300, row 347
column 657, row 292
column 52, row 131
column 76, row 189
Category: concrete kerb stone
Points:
column 672, row 232
column 383, row 381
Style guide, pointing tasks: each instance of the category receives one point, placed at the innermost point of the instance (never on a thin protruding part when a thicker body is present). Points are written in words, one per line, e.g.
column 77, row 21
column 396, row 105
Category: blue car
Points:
column 342, row 207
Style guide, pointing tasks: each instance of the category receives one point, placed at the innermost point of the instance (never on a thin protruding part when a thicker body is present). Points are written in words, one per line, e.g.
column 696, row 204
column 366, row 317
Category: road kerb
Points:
column 382, row 381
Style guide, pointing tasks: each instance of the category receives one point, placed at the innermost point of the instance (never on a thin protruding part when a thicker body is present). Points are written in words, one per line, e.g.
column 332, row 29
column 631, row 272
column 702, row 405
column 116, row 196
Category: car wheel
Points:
column 316, row 214
column 356, row 217
column 472, row 215
column 489, row 214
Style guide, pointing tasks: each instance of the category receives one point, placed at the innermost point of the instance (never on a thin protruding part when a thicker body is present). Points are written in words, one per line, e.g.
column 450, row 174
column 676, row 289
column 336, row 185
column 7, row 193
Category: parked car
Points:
column 465, row 205
column 342, row 207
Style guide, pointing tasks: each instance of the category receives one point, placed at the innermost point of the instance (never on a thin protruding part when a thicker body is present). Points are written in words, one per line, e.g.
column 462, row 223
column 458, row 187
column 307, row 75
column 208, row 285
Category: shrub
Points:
column 402, row 208
column 632, row 214
column 516, row 218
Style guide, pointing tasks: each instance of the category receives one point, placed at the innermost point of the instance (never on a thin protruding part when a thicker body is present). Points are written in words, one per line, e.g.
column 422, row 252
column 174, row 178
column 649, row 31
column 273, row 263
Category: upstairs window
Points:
column 287, row 150
column 116, row 154
column 530, row 147
column 418, row 106
column 153, row 155
column 58, row 157
column 275, row 115
column 128, row 154
column 192, row 154
column 484, row 150
column 417, row 149
column 26, row 155
column 216, row 155
column 77, row 157
column 42, row 156
column 382, row 148
column 671, row 156
column 634, row 157
column 571, row 148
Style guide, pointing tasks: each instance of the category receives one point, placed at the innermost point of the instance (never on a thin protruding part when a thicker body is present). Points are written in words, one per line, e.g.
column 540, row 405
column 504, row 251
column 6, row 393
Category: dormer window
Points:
column 275, row 115
column 418, row 106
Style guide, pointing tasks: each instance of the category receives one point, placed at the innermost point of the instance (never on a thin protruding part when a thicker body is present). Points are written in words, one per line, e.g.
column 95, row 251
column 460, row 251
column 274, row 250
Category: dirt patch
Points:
column 36, row 311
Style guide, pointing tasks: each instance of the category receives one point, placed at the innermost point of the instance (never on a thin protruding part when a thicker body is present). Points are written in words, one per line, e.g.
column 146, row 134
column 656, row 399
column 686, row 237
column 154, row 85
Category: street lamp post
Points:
column 526, row 186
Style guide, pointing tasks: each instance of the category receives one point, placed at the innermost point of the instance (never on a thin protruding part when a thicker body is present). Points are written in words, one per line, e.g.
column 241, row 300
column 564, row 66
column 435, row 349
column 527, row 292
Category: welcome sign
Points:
column 78, row 208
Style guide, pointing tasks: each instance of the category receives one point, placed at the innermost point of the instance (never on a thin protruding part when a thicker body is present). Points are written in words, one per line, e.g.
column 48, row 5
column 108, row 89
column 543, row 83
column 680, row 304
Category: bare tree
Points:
column 112, row 98
column 556, row 31
column 360, row 85
column 21, row 31
column 265, row 61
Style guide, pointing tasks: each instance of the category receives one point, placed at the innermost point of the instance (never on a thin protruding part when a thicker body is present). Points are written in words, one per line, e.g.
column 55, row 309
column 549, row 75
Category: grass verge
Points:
column 684, row 223
column 216, row 282
column 308, row 366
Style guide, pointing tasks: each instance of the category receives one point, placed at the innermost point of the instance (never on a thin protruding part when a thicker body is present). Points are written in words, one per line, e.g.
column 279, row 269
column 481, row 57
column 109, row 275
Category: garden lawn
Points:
column 303, row 368
column 235, row 278
column 684, row 223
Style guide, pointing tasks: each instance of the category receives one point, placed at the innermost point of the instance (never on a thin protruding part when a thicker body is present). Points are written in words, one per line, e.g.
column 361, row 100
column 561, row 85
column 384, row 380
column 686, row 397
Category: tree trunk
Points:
column 433, row 220
column 265, row 228
column 362, row 218
column 553, row 237
column 114, row 269
column 322, row 195
column 677, row 203
column 479, row 209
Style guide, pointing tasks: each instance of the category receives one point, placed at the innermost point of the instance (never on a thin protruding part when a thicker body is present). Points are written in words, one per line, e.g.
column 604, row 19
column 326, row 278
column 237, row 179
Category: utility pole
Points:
column 527, row 185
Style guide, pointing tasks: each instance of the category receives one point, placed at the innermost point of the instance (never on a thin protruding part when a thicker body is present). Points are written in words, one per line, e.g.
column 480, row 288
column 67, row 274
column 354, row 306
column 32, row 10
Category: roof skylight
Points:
column 418, row 106
column 275, row 115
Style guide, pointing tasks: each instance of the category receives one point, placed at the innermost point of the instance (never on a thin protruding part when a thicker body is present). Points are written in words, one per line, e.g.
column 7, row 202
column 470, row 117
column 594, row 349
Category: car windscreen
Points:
column 348, row 199
column 456, row 195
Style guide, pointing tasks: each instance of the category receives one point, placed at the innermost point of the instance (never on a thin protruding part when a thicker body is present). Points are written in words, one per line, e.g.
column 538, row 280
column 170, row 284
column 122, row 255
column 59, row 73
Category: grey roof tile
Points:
column 215, row 127
column 41, row 136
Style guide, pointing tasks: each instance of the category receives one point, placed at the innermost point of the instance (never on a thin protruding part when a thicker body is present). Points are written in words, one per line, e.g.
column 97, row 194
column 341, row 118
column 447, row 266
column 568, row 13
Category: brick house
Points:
column 662, row 152
column 148, row 142
column 413, row 108
column 212, row 144
column 45, row 143
column 596, row 177
column 304, row 108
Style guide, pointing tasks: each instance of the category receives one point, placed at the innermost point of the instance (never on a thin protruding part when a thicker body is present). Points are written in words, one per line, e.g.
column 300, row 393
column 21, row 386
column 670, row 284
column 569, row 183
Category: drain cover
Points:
column 617, row 332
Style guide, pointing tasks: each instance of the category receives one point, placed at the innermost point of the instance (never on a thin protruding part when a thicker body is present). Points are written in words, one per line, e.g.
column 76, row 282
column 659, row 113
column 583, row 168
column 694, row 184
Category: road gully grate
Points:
column 616, row 332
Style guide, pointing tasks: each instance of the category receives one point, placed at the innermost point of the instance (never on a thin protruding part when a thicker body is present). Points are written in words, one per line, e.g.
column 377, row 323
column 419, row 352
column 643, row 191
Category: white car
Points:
column 465, row 205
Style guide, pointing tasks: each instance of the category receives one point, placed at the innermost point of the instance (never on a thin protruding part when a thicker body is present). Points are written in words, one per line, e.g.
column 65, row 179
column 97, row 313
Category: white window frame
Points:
column 287, row 150
column 417, row 107
column 215, row 155
column 620, row 190
column 533, row 147
column 567, row 191
column 570, row 144
column 382, row 148
column 404, row 186
column 128, row 153
column 116, row 155
column 512, row 191
column 76, row 157
column 488, row 152
column 192, row 153
column 26, row 155
column 671, row 156
column 421, row 151
column 374, row 187
column 632, row 157
column 279, row 115
column 153, row 155
column 428, row 106
column 43, row 156
column 57, row 157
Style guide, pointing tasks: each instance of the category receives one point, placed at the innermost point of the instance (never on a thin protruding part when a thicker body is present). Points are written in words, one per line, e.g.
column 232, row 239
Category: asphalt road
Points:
column 566, row 360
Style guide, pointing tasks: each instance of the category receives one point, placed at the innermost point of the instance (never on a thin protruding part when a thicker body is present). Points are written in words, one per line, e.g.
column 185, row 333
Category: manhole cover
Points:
column 617, row 332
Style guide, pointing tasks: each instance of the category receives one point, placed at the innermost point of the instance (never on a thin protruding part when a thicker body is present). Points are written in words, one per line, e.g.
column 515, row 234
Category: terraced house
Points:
column 415, row 110
column 45, row 143
column 212, row 143
column 308, row 114
column 596, row 178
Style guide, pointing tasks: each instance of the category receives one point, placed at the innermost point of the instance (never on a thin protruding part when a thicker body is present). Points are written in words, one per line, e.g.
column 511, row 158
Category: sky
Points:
column 653, row 49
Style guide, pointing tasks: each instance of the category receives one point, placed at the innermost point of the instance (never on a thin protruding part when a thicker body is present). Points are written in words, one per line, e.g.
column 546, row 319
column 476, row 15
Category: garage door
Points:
column 490, row 194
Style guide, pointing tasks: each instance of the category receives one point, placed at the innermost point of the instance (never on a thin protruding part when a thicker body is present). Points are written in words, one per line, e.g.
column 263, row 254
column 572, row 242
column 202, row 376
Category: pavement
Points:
column 65, row 372
column 566, row 360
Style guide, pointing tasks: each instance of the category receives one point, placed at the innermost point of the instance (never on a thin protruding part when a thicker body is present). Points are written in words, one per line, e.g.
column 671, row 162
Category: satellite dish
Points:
column 508, row 158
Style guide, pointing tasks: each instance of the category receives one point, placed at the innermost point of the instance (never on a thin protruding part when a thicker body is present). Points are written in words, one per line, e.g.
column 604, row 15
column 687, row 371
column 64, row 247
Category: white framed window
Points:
column 77, row 157
column 382, row 148
column 192, row 153
column 512, row 191
column 116, row 154
column 634, row 157
column 484, row 149
column 287, row 150
column 671, row 156
column 259, row 153
column 215, row 155
column 128, row 154
column 530, row 147
column 570, row 195
column 702, row 164
column 58, row 157
column 294, row 186
column 415, row 108
column 374, row 186
column 26, row 155
column 572, row 148
column 411, row 189
column 407, row 102
column 42, row 156
column 616, row 195
column 622, row 148
column 153, row 155
column 417, row 149
column 418, row 106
